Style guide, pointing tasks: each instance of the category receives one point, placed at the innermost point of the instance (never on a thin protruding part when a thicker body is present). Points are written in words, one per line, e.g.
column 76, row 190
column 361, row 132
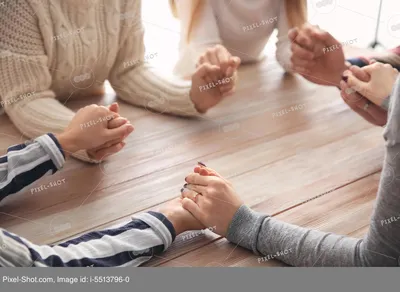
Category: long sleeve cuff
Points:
column 51, row 145
column 245, row 227
column 161, row 225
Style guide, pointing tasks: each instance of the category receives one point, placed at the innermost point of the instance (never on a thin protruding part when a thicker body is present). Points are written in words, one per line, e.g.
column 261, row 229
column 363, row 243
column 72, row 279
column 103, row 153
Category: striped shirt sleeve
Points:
column 130, row 244
column 26, row 163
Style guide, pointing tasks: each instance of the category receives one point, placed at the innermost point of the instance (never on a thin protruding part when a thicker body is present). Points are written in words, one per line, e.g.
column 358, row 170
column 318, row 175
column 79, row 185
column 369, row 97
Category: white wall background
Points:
column 345, row 19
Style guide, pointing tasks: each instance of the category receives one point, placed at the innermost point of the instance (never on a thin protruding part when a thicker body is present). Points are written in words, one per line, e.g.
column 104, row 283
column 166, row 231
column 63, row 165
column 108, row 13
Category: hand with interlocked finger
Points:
column 317, row 55
column 358, row 97
column 378, row 88
column 210, row 198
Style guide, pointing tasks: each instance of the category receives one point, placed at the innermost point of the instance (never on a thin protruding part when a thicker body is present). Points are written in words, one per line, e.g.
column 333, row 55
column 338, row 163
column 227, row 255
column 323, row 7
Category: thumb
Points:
column 193, row 208
column 122, row 131
column 356, row 83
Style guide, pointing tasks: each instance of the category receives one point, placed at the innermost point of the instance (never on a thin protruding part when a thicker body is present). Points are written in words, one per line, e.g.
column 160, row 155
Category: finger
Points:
column 350, row 96
column 122, row 131
column 235, row 62
column 355, row 83
column 373, row 67
column 193, row 208
column 223, row 57
column 186, row 193
column 114, row 107
column 233, row 65
column 196, row 179
column 227, row 89
column 117, row 122
column 196, row 188
column 301, row 53
column 203, row 73
column 201, row 61
column 215, row 73
column 211, row 55
column 230, row 72
column 325, row 37
column 108, row 144
column 360, row 73
column 227, row 83
column 190, row 194
column 388, row 66
column 104, row 153
column 206, row 171
column 304, row 41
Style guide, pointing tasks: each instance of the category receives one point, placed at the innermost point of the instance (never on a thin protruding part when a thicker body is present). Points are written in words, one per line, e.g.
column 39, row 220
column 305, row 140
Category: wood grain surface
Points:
column 281, row 140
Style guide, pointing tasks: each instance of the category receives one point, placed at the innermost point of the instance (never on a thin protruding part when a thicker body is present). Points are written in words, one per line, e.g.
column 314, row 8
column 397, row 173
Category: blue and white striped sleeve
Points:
column 25, row 163
column 131, row 244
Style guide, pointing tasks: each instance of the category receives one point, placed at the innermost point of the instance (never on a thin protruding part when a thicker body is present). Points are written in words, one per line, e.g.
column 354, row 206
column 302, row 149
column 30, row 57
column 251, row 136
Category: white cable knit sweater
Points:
column 54, row 50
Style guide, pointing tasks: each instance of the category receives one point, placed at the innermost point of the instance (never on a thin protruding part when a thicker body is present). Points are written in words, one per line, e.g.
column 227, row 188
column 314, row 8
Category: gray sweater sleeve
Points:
column 299, row 246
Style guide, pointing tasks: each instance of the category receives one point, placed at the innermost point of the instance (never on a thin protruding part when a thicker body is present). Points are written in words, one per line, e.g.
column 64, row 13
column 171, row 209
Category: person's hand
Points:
column 221, row 57
column 317, row 55
column 89, row 129
column 358, row 103
column 111, row 147
column 206, row 194
column 380, row 84
column 181, row 219
column 214, row 79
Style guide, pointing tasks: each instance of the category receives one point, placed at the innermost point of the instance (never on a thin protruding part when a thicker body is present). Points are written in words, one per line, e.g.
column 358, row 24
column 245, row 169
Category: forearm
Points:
column 145, row 87
column 138, row 83
column 129, row 245
column 26, row 163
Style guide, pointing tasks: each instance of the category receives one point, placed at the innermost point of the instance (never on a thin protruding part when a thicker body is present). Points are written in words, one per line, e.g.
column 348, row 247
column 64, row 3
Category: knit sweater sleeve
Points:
column 283, row 51
column 25, row 78
column 204, row 34
column 138, row 83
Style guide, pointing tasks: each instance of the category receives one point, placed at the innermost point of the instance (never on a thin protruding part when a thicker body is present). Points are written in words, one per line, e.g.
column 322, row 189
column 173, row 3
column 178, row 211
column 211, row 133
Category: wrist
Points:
column 68, row 144
column 176, row 222
column 198, row 108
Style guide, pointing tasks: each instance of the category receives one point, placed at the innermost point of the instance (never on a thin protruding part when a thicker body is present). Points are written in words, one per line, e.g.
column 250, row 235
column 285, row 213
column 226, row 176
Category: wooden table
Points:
column 282, row 141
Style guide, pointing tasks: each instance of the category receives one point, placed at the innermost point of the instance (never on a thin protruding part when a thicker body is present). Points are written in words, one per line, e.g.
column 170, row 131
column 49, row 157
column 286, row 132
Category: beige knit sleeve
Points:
column 25, row 79
column 138, row 83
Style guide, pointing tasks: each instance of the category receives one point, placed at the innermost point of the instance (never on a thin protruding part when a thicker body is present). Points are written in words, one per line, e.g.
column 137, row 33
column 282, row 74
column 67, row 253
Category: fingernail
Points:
column 129, row 129
column 201, row 164
column 185, row 185
column 345, row 78
column 182, row 189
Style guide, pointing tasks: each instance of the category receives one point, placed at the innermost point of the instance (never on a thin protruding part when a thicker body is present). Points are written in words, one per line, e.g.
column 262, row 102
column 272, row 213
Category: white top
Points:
column 243, row 27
